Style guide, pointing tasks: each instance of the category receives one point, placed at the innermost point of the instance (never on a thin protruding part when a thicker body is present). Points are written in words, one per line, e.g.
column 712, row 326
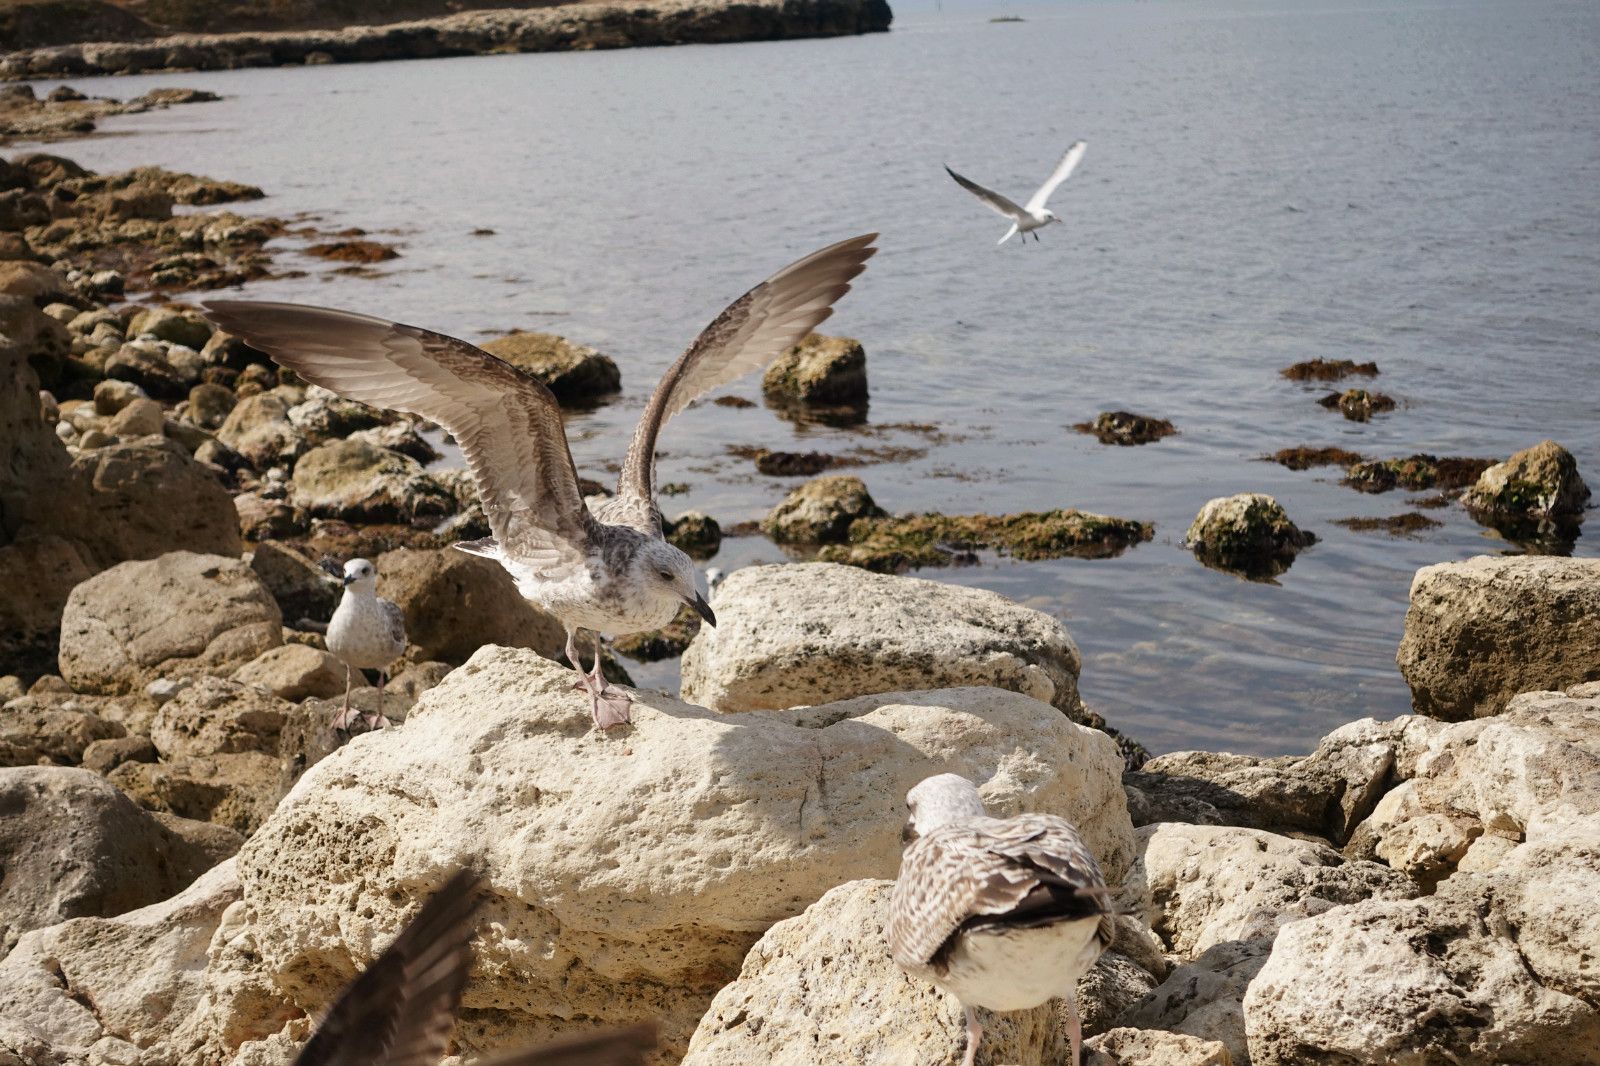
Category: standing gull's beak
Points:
column 703, row 609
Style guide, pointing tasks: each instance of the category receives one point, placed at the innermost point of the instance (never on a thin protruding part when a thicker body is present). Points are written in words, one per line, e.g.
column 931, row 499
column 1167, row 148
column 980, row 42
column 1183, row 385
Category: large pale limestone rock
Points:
column 1206, row 885
column 1205, row 998
column 294, row 672
column 237, row 790
column 182, row 613
column 698, row 831
column 813, row 632
column 1151, row 1047
column 112, row 990
column 1481, row 631
column 456, row 603
column 1438, row 979
column 71, row 845
column 212, row 716
column 822, row 988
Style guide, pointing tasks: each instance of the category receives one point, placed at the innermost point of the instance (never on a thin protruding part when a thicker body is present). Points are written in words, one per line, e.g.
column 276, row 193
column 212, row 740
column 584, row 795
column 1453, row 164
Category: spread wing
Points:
column 1027, row 870
column 753, row 330
column 610, row 1047
column 995, row 202
column 507, row 423
column 400, row 1010
column 1061, row 173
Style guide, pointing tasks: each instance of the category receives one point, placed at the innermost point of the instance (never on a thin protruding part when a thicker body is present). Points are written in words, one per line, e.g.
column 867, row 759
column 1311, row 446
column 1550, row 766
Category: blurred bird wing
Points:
column 752, row 331
column 507, row 423
column 1063, row 171
column 993, row 200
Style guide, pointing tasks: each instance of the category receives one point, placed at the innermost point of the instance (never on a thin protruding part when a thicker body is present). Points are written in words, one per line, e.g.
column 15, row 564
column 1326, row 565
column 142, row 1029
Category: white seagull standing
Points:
column 1002, row 913
column 608, row 570
column 1033, row 215
column 366, row 632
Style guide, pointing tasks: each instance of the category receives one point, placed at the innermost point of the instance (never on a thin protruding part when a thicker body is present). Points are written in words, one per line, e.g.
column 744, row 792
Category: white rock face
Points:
column 112, row 990
column 813, row 632
column 1206, row 885
column 1205, row 998
column 1481, row 631
column 630, row 872
column 182, row 613
column 1146, row 1047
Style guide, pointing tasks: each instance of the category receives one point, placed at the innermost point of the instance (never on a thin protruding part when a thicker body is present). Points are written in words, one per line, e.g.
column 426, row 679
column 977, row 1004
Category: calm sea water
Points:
column 1414, row 183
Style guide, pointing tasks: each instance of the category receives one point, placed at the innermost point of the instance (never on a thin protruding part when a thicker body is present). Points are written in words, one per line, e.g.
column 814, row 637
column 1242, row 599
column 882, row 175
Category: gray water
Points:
column 1265, row 182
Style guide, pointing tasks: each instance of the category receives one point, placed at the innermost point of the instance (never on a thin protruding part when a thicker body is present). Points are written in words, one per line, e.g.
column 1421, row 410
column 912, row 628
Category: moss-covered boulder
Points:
column 1541, row 481
column 360, row 482
column 577, row 374
column 1126, row 428
column 818, row 370
column 1248, row 534
column 1358, row 405
column 891, row 545
column 176, row 325
column 820, row 511
column 696, row 533
column 1416, row 472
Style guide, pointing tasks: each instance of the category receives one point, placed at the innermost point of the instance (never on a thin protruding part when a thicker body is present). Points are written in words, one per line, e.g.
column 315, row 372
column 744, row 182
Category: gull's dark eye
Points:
column 666, row 575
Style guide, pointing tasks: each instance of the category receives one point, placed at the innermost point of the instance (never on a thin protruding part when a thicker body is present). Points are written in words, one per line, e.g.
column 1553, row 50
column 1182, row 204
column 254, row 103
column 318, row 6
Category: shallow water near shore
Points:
column 1265, row 183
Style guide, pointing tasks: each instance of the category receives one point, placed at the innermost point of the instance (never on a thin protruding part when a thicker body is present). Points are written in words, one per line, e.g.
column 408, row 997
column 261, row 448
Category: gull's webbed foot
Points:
column 610, row 707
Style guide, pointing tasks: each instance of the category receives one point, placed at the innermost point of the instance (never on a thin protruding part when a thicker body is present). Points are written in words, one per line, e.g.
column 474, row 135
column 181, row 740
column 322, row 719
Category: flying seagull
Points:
column 1033, row 215
column 366, row 632
column 1002, row 913
column 608, row 570
column 400, row 1010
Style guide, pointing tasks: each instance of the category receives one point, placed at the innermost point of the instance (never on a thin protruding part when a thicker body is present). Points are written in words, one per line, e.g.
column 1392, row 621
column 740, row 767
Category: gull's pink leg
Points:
column 344, row 718
column 378, row 721
column 974, row 1035
column 610, row 705
column 1074, row 1029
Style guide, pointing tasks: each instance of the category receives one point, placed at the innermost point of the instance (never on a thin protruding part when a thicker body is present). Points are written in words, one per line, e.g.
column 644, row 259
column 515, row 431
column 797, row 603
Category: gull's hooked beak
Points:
column 703, row 609
column 347, row 579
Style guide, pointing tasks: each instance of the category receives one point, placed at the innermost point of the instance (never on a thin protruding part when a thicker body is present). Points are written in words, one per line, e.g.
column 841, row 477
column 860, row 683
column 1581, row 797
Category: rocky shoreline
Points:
column 569, row 27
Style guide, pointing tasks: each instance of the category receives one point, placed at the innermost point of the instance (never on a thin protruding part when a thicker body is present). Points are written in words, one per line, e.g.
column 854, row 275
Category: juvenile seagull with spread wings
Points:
column 1002, row 913
column 608, row 570
column 1032, row 215
column 399, row 1011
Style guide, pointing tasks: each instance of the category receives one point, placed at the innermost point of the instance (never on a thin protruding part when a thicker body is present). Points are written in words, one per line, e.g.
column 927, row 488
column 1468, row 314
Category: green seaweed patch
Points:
column 1358, row 405
column 1304, row 458
column 908, row 542
column 1416, row 473
column 1328, row 370
column 1399, row 525
column 1126, row 428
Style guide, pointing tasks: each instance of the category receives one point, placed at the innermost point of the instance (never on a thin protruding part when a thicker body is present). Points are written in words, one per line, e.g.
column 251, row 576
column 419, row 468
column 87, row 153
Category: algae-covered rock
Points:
column 1539, row 481
column 1306, row 457
column 1398, row 525
column 1328, row 370
column 820, row 511
column 576, row 373
column 1358, row 405
column 1248, row 534
column 1126, row 428
column 1415, row 472
column 818, row 370
column 906, row 542
column 695, row 533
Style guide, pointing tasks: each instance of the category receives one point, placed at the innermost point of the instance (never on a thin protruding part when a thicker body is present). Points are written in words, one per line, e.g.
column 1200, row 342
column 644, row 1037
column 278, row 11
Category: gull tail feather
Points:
column 1010, row 233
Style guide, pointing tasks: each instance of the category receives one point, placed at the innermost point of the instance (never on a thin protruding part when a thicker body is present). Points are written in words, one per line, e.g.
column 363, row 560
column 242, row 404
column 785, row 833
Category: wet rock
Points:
column 356, row 481
column 1328, row 370
column 111, row 990
column 903, row 542
column 1416, row 472
column 353, row 251
column 1358, row 405
column 175, row 325
column 294, row 672
column 1126, row 428
column 456, row 603
column 500, row 755
column 302, row 589
column 1304, row 458
column 825, row 979
column 818, row 370
column 74, row 846
column 1541, row 482
column 1479, row 632
column 1248, row 534
column 576, row 373
column 807, row 633
column 181, row 612
column 695, row 533
column 820, row 511
column 1399, row 525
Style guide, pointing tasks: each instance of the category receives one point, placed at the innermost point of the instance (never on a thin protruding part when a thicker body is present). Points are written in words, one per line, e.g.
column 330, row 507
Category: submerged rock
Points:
column 1399, row 525
column 820, row 511
column 1358, row 405
column 904, row 542
column 1304, row 457
column 576, row 373
column 1126, row 428
column 1479, row 632
column 1328, row 370
column 1416, row 472
column 807, row 633
column 819, row 370
column 1248, row 534
column 668, row 642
